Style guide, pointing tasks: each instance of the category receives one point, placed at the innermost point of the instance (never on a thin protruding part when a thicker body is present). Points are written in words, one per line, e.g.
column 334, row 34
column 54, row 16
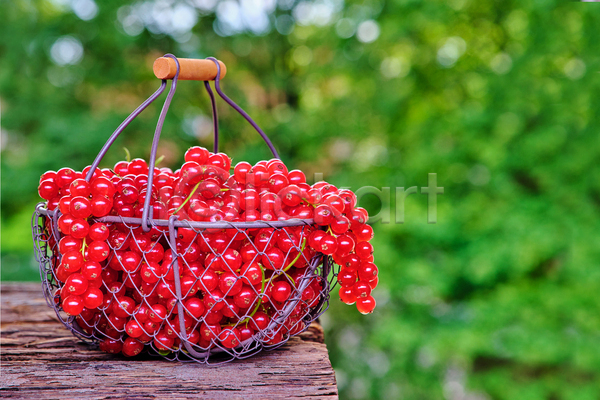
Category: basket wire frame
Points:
column 289, row 319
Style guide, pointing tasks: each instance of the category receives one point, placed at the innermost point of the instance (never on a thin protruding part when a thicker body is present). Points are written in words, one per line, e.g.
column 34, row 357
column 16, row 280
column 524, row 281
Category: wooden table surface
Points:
column 41, row 359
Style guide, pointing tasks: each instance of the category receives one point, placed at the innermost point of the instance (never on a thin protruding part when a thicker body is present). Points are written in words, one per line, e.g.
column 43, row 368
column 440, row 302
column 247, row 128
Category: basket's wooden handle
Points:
column 190, row 69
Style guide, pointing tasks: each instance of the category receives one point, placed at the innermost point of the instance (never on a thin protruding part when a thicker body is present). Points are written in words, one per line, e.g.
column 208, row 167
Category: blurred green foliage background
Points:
column 500, row 298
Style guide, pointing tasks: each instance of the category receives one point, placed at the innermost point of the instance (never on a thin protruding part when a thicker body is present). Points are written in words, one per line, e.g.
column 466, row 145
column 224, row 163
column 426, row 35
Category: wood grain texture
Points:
column 41, row 359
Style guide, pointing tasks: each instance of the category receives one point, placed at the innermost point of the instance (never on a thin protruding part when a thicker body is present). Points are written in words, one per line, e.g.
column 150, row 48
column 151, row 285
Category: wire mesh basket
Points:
column 187, row 289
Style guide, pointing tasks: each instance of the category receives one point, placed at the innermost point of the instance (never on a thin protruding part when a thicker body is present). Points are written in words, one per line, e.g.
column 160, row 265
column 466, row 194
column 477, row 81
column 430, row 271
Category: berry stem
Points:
column 188, row 198
column 262, row 290
column 127, row 154
column 297, row 256
column 83, row 247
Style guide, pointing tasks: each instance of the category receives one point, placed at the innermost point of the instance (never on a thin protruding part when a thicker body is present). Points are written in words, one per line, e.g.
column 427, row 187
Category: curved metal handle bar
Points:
column 157, row 132
column 239, row 109
column 121, row 127
column 215, row 117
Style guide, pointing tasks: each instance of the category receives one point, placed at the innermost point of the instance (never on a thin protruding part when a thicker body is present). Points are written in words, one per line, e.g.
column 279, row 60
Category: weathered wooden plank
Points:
column 40, row 358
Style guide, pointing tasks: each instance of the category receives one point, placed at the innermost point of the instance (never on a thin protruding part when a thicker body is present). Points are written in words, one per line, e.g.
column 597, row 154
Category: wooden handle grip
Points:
column 190, row 69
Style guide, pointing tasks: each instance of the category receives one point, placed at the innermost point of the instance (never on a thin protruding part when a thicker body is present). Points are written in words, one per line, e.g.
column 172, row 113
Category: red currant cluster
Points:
column 118, row 280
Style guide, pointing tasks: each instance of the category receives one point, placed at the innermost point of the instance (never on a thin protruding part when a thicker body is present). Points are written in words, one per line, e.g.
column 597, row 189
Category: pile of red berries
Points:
column 118, row 280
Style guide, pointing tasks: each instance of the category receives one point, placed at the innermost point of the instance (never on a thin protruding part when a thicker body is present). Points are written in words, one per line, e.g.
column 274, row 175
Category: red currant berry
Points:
column 53, row 203
column 281, row 291
column 230, row 337
column 76, row 284
column 361, row 289
column 278, row 182
column 154, row 252
column 133, row 328
column 232, row 259
column 64, row 177
column 252, row 272
column 364, row 233
column 73, row 304
column 129, row 193
column 197, row 154
column 276, row 165
column 118, row 240
column 296, row 177
column 273, row 259
column 323, row 215
column 245, row 298
column 102, row 186
column 213, row 317
column 141, row 313
column 48, row 189
column 51, row 175
column 220, row 160
column 240, row 171
column 209, row 281
column 131, row 261
column 69, row 243
column 98, row 251
column 214, row 301
column 64, row 223
column 93, row 298
column 351, row 262
column 346, row 278
column 291, row 195
column 132, row 347
column 195, row 307
column 367, row 271
column 79, row 228
column 349, row 200
column 259, row 321
column 101, row 205
column 365, row 305
column 363, row 250
column 157, row 313
column 345, row 245
column 138, row 166
column 112, row 346
column 347, row 295
column 340, row 225
column 150, row 272
column 80, row 187
column 327, row 245
column 315, row 237
column 245, row 332
column 64, row 204
column 230, row 283
column 91, row 270
column 162, row 341
column 209, row 332
column 99, row 231
column 123, row 306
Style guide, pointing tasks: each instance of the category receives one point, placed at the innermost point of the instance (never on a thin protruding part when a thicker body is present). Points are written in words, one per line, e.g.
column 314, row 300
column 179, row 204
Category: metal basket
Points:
column 310, row 284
